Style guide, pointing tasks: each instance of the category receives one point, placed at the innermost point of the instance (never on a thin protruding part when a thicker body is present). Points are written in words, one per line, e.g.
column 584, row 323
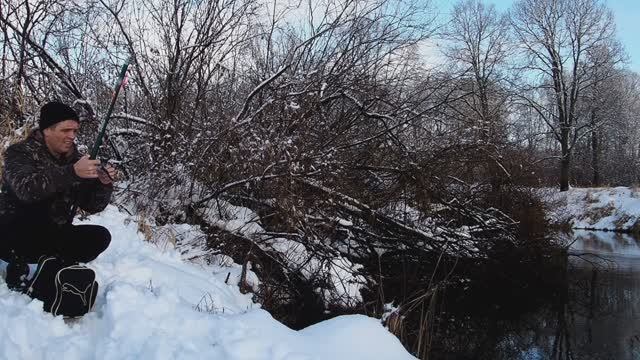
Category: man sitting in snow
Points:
column 43, row 181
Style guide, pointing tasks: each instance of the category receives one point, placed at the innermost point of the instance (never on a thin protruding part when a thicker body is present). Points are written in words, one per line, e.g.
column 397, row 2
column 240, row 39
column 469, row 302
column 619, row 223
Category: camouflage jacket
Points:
column 38, row 188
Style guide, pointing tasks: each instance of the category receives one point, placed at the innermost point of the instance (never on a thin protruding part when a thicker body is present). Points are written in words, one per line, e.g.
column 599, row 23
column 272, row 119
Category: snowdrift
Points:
column 612, row 209
column 152, row 304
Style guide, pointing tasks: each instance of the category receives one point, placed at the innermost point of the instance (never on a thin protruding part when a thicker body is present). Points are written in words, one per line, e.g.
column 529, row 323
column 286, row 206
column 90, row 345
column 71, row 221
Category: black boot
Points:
column 17, row 273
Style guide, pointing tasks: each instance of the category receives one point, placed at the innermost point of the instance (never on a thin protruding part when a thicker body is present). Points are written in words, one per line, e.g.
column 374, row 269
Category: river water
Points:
column 598, row 317
column 603, row 306
column 586, row 306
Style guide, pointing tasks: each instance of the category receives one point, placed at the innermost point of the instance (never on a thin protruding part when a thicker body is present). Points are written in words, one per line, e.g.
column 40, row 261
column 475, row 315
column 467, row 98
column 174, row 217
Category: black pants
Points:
column 71, row 243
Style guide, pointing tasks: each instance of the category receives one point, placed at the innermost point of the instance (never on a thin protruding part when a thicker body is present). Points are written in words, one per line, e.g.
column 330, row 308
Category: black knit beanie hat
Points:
column 54, row 112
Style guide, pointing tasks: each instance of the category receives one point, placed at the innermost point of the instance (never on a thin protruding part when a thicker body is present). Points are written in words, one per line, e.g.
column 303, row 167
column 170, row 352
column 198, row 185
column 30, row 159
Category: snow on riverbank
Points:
column 152, row 304
column 614, row 209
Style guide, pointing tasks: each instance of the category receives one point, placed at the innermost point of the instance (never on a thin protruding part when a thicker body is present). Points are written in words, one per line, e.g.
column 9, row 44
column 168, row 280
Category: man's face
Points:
column 59, row 137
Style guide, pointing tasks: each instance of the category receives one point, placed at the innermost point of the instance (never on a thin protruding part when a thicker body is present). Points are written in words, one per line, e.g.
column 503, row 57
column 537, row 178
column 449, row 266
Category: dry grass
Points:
column 596, row 214
column 589, row 198
column 208, row 305
column 165, row 237
column 395, row 324
column 621, row 221
column 162, row 236
column 144, row 227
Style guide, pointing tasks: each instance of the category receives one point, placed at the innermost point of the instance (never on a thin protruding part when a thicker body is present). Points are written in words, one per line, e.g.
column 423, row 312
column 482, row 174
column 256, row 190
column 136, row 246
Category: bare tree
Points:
column 608, row 108
column 556, row 36
column 21, row 20
column 480, row 46
column 602, row 100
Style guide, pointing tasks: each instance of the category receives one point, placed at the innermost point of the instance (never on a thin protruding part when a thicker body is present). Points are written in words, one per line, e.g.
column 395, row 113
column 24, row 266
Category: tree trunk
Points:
column 595, row 159
column 17, row 97
column 595, row 151
column 565, row 161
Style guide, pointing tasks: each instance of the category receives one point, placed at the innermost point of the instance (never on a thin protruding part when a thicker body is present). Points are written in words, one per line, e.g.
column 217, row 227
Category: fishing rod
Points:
column 103, row 127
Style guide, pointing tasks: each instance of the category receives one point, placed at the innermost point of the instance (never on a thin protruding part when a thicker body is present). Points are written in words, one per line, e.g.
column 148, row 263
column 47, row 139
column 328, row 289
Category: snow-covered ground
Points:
column 616, row 209
column 153, row 304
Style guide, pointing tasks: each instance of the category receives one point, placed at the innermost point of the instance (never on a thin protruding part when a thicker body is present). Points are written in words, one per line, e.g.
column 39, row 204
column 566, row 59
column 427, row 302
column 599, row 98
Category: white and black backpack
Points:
column 68, row 290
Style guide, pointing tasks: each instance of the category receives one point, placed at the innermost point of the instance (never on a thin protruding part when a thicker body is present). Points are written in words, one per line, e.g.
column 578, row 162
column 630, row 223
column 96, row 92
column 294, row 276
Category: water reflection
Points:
column 586, row 306
column 607, row 244
column 599, row 318
column 604, row 296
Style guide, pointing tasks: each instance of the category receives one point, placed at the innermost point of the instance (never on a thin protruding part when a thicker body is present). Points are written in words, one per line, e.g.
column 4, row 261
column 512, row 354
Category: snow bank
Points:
column 154, row 305
column 616, row 209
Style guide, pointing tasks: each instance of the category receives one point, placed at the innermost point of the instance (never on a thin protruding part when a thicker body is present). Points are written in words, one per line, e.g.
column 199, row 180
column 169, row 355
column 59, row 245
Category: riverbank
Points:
column 608, row 209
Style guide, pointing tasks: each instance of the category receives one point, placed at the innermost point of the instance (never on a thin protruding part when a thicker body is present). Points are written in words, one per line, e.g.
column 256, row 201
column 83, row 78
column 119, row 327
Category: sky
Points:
column 627, row 16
